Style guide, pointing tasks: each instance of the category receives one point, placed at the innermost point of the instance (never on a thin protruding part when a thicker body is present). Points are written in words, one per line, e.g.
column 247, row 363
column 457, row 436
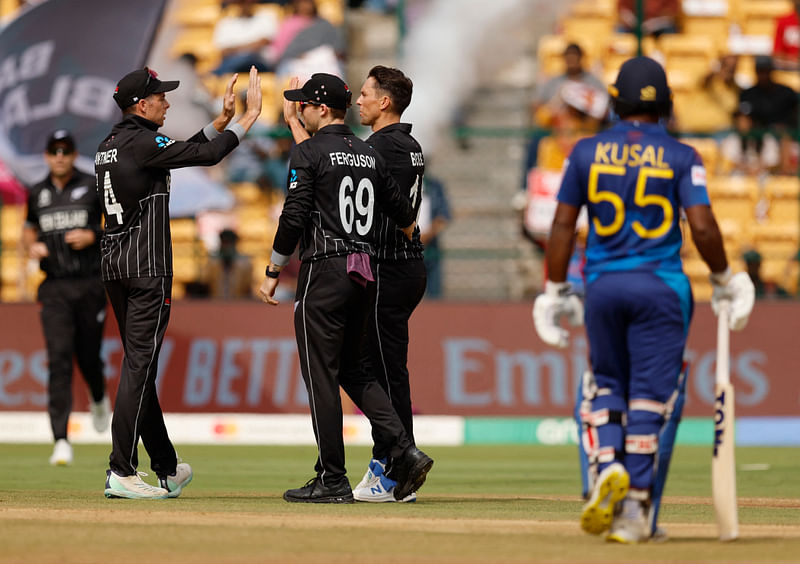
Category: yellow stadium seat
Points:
column 690, row 54
column 550, row 54
column 183, row 230
column 12, row 218
column 757, row 17
column 782, row 188
column 737, row 209
column 708, row 150
column 197, row 14
column 331, row 10
column 784, row 211
column 196, row 40
column 715, row 27
column 733, row 187
column 594, row 8
column 591, row 33
column 787, row 78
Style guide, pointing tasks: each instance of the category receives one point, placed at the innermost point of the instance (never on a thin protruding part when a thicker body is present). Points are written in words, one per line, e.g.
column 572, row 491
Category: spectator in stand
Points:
column 553, row 102
column 660, row 16
column 764, row 288
column 230, row 274
column 546, row 99
column 746, row 150
column 434, row 215
column 786, row 47
column 774, row 107
column 305, row 40
column 723, row 91
column 242, row 36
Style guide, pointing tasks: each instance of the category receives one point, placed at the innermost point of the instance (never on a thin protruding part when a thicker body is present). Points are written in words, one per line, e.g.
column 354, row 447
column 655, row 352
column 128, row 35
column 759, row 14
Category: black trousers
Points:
column 142, row 308
column 73, row 314
column 400, row 286
column 330, row 318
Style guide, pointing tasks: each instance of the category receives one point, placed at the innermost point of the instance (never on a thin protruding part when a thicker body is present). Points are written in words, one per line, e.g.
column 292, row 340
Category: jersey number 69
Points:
column 356, row 208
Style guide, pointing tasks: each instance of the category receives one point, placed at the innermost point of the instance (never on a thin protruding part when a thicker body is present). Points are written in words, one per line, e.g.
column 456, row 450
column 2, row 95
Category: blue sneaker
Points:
column 379, row 489
column 376, row 468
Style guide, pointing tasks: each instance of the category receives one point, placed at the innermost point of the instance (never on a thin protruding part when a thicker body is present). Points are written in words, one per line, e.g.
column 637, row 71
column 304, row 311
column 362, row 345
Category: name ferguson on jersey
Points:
column 352, row 159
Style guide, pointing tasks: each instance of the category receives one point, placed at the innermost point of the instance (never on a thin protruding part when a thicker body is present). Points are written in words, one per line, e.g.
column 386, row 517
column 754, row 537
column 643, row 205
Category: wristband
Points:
column 558, row 289
column 272, row 273
column 721, row 278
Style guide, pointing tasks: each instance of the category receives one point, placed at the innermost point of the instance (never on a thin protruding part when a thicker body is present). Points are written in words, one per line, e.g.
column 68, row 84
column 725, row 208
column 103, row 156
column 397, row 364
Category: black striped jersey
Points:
column 404, row 160
column 337, row 185
column 53, row 212
column 132, row 169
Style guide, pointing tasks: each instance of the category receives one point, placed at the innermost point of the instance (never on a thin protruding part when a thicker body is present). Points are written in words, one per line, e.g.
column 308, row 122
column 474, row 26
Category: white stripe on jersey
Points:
column 312, row 402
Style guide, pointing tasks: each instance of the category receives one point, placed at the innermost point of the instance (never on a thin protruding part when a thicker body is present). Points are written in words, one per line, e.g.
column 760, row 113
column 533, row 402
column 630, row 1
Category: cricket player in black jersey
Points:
column 400, row 276
column 337, row 184
column 132, row 169
column 63, row 231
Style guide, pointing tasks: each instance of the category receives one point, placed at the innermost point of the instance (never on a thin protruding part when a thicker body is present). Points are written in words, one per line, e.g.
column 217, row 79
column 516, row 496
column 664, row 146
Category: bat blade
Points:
column 723, row 464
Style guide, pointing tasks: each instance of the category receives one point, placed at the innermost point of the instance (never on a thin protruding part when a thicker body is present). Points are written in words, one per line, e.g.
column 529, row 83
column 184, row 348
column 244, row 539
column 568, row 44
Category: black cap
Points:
column 140, row 84
column 60, row 136
column 322, row 88
column 641, row 86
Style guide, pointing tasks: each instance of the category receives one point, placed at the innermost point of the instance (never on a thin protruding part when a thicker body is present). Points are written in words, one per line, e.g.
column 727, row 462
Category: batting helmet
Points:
column 641, row 87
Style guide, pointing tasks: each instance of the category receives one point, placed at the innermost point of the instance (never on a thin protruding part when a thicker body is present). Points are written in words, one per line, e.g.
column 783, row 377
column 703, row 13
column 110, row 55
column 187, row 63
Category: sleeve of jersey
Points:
column 299, row 201
column 32, row 219
column 391, row 200
column 692, row 183
column 159, row 151
column 571, row 191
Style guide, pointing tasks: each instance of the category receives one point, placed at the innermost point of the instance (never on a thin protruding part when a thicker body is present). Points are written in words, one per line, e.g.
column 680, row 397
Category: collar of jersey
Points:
column 644, row 126
column 144, row 122
column 336, row 129
column 399, row 126
column 78, row 179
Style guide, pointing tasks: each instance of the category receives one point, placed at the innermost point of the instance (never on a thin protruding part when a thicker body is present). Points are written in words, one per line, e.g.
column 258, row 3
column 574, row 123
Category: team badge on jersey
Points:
column 45, row 198
column 698, row 175
column 292, row 179
column 78, row 193
column 163, row 141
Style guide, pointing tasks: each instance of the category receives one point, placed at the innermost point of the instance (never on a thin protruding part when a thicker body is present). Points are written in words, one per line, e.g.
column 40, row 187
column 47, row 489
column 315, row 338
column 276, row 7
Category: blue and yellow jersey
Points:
column 634, row 179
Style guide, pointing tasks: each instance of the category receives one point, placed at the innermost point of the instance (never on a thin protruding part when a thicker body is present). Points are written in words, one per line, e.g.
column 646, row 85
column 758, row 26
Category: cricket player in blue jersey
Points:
column 634, row 180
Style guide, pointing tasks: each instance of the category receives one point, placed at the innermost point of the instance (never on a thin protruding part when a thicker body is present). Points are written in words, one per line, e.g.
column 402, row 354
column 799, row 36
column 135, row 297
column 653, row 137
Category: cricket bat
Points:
column 723, row 464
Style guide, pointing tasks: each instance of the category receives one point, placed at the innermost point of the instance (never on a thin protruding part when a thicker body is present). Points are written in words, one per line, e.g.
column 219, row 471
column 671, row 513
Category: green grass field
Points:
column 480, row 504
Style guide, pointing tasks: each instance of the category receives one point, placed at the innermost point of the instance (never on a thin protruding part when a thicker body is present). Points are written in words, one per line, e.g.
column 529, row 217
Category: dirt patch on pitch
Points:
column 408, row 524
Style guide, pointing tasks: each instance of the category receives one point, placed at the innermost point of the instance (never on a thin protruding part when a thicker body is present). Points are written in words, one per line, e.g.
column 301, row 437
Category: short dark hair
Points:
column 396, row 85
column 337, row 113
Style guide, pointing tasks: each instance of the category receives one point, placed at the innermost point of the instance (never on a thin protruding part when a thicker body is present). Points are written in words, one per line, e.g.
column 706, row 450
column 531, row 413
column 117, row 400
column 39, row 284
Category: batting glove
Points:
column 739, row 290
column 548, row 308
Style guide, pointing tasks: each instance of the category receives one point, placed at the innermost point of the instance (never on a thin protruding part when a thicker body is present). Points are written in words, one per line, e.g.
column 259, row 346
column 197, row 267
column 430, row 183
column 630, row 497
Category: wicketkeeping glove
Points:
column 548, row 308
column 739, row 290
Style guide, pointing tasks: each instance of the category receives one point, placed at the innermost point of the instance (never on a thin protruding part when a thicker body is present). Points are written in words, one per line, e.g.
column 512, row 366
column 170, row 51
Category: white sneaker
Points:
column 611, row 487
column 376, row 468
column 630, row 524
column 62, row 453
column 132, row 487
column 101, row 414
column 174, row 483
column 379, row 489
